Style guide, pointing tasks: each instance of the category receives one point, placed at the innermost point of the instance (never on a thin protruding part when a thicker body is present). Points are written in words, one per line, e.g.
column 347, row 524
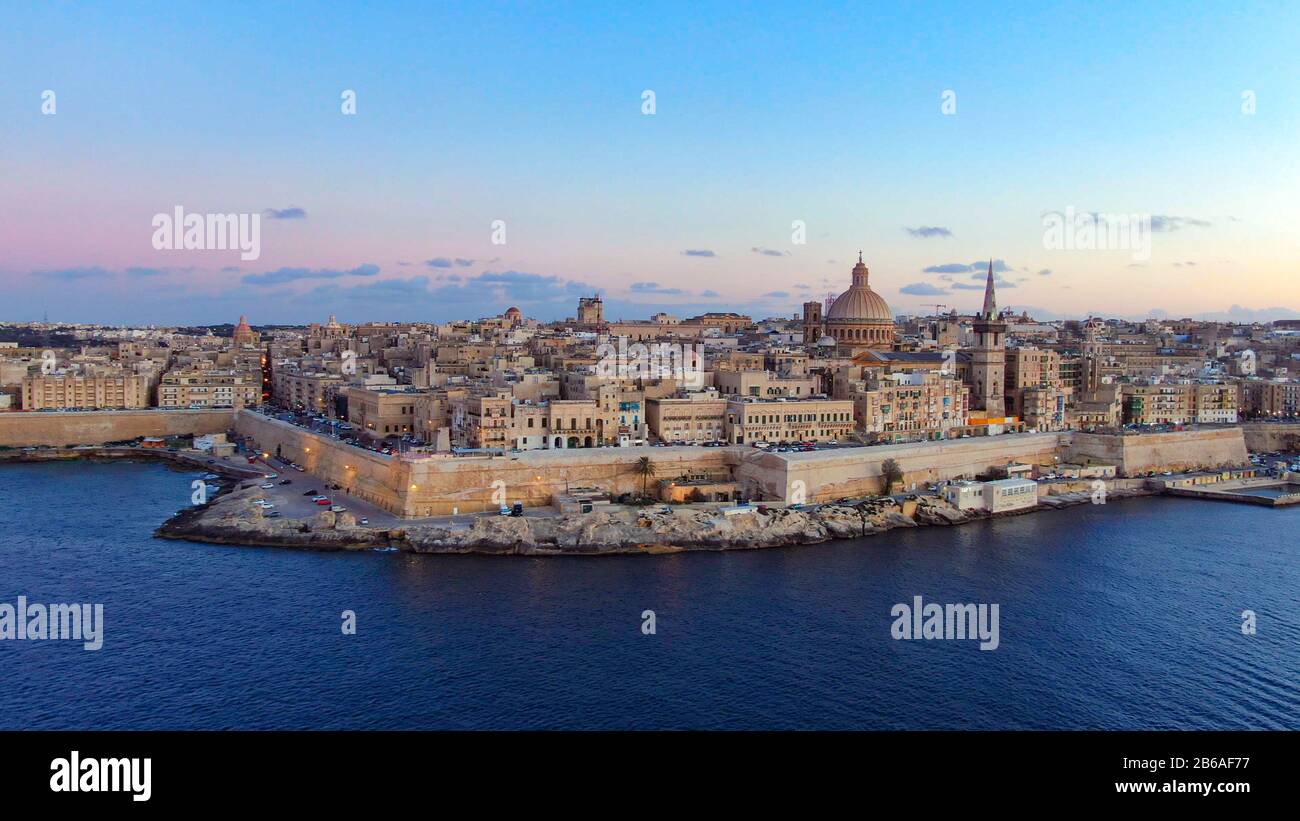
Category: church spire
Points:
column 990, row 310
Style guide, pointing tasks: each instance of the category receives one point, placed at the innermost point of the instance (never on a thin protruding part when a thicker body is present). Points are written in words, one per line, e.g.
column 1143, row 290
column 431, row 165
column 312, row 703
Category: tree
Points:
column 645, row 469
column 891, row 473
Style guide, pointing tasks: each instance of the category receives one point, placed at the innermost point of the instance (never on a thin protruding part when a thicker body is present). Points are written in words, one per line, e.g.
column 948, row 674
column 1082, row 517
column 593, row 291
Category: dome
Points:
column 827, row 342
column 859, row 303
column 512, row 311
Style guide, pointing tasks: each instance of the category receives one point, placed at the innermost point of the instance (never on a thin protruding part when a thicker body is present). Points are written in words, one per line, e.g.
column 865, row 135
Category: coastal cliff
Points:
column 235, row 519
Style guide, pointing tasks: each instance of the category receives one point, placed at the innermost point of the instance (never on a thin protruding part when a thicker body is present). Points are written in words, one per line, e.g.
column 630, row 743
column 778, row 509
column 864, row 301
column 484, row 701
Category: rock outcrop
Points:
column 235, row 518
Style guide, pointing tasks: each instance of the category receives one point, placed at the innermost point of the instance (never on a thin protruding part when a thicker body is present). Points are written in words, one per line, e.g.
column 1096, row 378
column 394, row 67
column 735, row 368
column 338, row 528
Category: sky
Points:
column 507, row 154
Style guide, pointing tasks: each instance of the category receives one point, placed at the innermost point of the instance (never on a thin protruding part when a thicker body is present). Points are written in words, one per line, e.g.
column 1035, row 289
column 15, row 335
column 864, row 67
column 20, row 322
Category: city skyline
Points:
column 846, row 128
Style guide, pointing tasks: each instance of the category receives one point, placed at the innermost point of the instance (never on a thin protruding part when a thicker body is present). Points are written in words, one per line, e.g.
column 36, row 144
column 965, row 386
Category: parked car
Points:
column 322, row 501
column 286, row 481
column 363, row 521
column 517, row 509
column 267, row 486
column 504, row 511
column 337, row 509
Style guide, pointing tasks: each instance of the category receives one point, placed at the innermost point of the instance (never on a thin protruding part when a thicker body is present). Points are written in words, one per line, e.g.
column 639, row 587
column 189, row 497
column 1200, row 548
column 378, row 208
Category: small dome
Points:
column 826, row 342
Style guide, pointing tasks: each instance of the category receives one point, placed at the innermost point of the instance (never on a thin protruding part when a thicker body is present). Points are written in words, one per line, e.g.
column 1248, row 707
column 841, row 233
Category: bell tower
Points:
column 988, row 358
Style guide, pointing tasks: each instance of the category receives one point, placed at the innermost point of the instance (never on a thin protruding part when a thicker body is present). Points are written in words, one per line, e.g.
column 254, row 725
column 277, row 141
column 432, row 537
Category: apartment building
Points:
column 311, row 391
column 764, row 384
column 211, row 388
column 751, row 419
column 86, row 392
column 693, row 419
column 496, row 420
column 1269, row 397
column 378, row 412
column 909, row 405
column 1182, row 403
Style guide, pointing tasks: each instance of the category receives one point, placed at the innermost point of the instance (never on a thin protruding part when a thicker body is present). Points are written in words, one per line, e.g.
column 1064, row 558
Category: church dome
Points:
column 859, row 303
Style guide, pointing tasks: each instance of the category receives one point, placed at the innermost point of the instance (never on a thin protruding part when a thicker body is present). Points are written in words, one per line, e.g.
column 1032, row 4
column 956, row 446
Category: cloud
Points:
column 146, row 272
column 695, row 252
column 281, row 276
column 922, row 289
column 770, row 252
column 709, row 293
column 383, row 292
column 519, row 287
column 928, row 231
column 1046, row 272
column 979, row 265
column 291, row 213
column 776, row 295
column 1163, row 223
column 654, row 288
column 448, row 262
column 72, row 274
column 948, row 268
column 1239, row 314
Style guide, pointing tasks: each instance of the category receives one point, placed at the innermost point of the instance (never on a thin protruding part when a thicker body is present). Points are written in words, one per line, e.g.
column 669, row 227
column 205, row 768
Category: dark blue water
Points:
column 1122, row 616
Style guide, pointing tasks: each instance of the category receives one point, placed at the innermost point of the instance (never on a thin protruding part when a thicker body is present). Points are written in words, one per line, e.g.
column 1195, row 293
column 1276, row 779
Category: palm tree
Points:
column 890, row 472
column 645, row 469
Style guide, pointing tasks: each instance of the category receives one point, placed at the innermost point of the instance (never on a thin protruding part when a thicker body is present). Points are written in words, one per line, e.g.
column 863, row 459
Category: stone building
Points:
column 858, row 319
column 787, row 420
column 987, row 358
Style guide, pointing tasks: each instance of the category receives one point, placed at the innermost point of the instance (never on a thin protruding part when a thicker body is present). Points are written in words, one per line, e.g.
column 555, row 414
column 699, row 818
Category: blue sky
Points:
column 531, row 114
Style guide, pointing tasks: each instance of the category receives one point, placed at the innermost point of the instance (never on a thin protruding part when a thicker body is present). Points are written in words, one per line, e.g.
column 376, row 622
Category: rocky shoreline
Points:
column 232, row 518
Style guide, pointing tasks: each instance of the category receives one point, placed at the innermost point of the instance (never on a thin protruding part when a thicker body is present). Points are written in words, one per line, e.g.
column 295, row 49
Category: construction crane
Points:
column 937, row 306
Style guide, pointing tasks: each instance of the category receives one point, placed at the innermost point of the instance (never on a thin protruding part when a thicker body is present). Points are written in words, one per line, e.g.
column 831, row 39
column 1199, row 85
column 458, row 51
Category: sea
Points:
column 1149, row 613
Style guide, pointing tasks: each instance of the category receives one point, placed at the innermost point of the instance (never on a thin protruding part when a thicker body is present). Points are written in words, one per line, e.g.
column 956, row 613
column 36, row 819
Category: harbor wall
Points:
column 59, row 428
column 1267, row 437
column 829, row 474
column 440, row 484
column 1200, row 448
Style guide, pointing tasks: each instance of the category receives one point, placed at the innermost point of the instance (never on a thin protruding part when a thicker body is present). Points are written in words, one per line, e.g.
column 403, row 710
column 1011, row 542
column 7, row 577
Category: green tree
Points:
column 891, row 473
column 645, row 469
